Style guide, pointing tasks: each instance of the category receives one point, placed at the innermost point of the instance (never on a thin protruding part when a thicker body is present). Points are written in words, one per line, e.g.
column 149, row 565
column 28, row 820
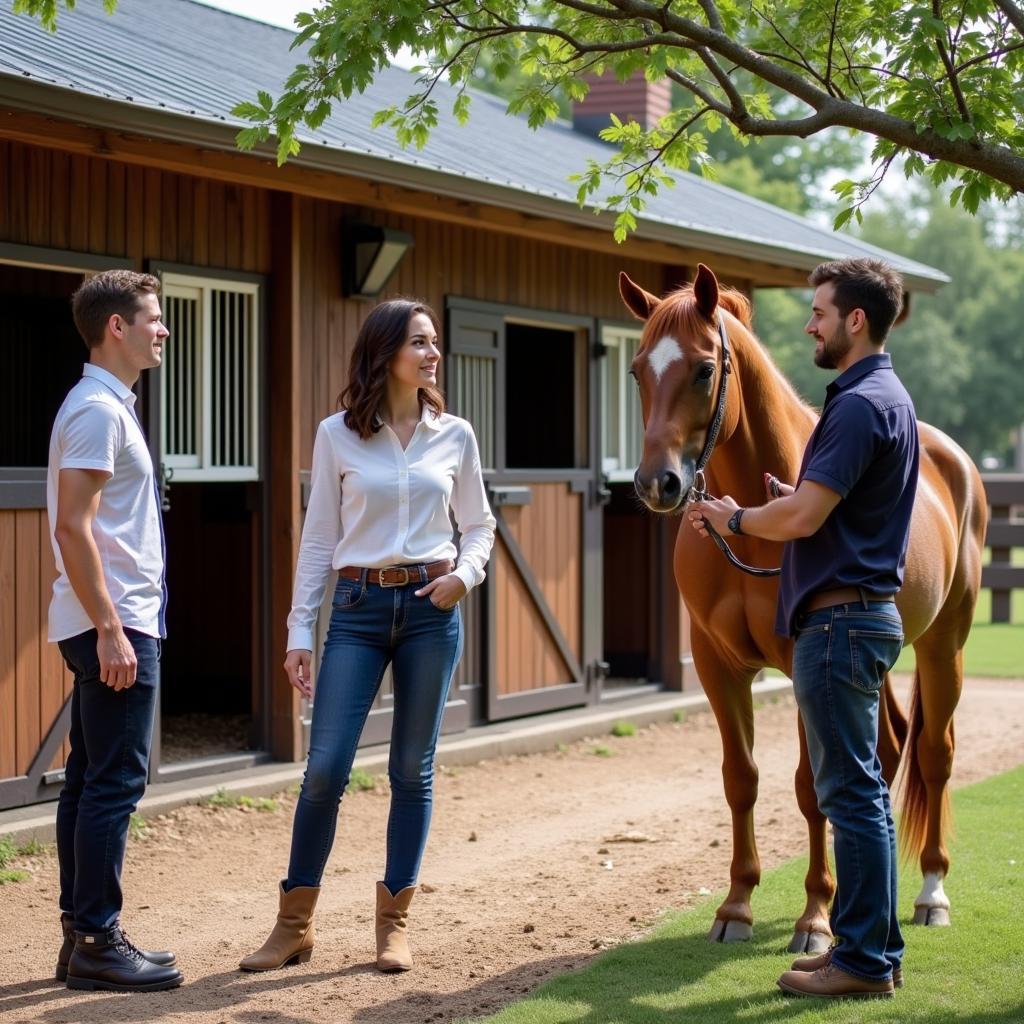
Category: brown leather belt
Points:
column 842, row 595
column 399, row 575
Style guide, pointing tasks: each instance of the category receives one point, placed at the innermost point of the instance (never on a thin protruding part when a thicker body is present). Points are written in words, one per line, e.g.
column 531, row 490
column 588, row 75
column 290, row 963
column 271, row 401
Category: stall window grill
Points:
column 622, row 431
column 474, row 390
column 210, row 380
column 475, row 366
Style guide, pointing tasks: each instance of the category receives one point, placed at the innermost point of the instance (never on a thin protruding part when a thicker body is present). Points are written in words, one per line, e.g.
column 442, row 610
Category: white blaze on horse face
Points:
column 663, row 355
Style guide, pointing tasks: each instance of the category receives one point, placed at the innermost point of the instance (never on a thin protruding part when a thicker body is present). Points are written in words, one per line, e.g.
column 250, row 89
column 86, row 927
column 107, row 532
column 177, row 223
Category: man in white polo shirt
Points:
column 107, row 616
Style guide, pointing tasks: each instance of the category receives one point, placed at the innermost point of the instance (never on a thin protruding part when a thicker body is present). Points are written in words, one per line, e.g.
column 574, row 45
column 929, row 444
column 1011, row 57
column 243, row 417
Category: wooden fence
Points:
column 1005, row 532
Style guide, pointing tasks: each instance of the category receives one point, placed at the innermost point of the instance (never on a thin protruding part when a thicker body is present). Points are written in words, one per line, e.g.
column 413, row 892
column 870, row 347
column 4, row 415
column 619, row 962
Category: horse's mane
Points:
column 677, row 314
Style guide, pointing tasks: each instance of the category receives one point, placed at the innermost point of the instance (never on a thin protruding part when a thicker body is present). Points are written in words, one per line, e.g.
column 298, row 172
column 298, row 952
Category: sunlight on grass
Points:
column 675, row 974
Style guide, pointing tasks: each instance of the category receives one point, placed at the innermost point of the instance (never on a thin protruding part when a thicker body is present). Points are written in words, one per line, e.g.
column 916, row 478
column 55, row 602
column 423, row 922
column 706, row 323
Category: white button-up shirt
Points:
column 96, row 428
column 373, row 504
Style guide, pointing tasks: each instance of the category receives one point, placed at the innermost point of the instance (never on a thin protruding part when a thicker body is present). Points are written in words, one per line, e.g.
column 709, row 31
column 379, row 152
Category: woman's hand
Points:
column 445, row 592
column 296, row 664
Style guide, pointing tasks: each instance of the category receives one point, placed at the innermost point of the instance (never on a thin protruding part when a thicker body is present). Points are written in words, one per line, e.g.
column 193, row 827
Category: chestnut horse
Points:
column 765, row 426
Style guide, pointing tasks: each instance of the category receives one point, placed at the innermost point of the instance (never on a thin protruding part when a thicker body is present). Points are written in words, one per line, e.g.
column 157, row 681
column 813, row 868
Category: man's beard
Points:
column 833, row 350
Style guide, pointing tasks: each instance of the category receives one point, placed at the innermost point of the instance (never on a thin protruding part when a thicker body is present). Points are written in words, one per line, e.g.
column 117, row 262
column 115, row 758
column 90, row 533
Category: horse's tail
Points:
column 913, row 793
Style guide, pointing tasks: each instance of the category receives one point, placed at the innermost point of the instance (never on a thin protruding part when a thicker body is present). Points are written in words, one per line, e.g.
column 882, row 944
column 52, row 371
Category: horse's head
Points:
column 678, row 369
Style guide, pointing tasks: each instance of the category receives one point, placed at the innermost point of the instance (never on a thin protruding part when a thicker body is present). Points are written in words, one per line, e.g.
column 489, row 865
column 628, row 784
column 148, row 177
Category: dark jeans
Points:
column 370, row 627
column 840, row 660
column 105, row 777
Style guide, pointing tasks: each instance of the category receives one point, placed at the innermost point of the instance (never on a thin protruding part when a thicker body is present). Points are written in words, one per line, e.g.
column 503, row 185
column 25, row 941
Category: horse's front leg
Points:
column 728, row 691
column 812, row 932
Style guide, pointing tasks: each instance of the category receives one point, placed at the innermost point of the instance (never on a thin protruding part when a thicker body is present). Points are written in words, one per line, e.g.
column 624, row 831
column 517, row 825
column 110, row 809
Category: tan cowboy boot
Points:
column 392, row 943
column 291, row 941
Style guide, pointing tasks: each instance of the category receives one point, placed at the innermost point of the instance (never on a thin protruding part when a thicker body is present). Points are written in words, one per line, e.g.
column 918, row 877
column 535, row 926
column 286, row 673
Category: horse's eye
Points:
column 705, row 373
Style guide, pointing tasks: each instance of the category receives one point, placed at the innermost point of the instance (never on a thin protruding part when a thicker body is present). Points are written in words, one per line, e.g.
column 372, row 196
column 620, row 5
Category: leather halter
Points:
column 698, row 490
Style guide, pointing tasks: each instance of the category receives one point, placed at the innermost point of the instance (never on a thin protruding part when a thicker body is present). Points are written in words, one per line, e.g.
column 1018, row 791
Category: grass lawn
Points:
column 970, row 973
column 993, row 648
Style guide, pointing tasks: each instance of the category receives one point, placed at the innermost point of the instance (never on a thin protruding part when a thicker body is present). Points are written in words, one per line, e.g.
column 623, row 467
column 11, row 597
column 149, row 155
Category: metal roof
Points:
column 177, row 67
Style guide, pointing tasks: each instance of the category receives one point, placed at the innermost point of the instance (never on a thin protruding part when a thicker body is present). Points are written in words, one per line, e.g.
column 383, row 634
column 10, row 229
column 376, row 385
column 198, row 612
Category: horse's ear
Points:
column 902, row 315
column 705, row 290
column 642, row 304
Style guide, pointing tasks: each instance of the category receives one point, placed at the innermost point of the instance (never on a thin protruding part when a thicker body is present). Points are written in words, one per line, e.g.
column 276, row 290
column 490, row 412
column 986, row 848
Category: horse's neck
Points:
column 772, row 424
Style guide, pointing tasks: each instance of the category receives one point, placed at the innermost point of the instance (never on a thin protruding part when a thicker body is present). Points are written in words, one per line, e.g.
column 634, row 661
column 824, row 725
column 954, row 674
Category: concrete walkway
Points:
column 499, row 739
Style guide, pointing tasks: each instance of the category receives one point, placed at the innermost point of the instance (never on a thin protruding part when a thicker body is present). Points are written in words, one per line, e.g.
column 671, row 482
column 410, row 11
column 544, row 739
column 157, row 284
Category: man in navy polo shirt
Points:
column 846, row 526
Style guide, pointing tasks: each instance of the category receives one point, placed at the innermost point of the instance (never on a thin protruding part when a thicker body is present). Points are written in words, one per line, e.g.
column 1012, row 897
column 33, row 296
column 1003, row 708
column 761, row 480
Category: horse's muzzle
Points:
column 665, row 491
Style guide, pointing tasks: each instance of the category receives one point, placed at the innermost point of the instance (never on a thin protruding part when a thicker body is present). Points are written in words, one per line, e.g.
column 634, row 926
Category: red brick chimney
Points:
column 633, row 100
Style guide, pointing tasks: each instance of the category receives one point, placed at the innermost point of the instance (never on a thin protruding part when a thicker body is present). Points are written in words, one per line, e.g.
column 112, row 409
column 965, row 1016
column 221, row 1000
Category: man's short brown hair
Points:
column 864, row 283
column 101, row 296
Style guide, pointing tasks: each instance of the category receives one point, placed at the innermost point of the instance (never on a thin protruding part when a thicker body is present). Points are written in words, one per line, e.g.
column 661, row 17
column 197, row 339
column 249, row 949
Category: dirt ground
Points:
column 526, row 875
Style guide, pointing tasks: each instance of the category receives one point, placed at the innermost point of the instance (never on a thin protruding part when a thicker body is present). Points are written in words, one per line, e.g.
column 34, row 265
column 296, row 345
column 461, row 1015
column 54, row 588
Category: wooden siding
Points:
column 445, row 260
column 33, row 681
column 86, row 204
column 58, row 200
column 548, row 533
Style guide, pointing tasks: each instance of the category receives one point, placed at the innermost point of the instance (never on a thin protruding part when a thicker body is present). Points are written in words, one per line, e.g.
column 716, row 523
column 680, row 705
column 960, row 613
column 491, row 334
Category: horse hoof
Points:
column 810, row 943
column 730, row 931
column 738, row 931
column 935, row 916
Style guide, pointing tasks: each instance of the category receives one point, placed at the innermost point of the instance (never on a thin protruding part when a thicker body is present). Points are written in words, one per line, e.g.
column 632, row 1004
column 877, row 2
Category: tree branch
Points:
column 723, row 79
column 691, row 85
column 1000, row 162
column 991, row 55
column 1013, row 12
column 714, row 18
column 947, row 63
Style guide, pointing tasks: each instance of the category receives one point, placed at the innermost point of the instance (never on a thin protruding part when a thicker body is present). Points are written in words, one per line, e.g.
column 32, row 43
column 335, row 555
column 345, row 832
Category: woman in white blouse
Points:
column 386, row 471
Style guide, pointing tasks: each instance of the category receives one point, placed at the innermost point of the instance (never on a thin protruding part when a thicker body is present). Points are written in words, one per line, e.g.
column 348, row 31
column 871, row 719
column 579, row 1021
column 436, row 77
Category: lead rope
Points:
column 699, row 491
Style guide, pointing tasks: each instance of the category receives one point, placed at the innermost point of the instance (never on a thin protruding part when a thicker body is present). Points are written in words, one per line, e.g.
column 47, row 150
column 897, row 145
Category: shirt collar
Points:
column 429, row 418
column 119, row 388
column 861, row 368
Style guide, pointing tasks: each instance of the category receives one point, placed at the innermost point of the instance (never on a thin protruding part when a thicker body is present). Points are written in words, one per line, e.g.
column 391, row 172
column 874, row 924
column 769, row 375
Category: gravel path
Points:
column 534, row 864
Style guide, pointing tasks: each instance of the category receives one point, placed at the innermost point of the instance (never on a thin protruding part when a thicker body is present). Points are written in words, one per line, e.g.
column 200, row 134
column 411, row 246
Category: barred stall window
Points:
column 210, row 380
column 622, row 440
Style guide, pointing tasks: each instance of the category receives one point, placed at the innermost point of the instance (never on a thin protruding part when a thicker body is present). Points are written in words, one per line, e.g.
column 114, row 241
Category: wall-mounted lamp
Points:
column 371, row 255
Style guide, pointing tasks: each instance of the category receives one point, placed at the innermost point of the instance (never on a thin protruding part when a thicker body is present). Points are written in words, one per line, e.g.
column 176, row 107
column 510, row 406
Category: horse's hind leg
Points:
column 812, row 933
column 730, row 698
column 938, row 679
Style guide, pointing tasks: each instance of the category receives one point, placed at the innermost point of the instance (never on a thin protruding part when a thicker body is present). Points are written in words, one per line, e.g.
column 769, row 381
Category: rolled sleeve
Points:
column 472, row 515
column 321, row 534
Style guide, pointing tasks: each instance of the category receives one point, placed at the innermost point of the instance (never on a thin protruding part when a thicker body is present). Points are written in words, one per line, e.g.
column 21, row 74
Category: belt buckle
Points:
column 394, row 568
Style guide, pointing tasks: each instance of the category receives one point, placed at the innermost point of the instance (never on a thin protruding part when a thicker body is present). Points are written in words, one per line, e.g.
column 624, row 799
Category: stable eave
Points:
column 527, row 212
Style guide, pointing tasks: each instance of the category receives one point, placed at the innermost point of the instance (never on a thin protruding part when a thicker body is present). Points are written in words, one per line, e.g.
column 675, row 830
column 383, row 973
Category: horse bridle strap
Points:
column 716, row 421
column 699, row 492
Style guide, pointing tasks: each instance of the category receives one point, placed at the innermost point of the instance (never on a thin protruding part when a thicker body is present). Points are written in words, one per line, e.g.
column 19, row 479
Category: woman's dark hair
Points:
column 383, row 333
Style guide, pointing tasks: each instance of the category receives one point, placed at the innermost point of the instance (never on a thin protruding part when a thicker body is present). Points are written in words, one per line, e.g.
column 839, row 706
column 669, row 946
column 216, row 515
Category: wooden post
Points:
column 1001, row 598
column 283, row 404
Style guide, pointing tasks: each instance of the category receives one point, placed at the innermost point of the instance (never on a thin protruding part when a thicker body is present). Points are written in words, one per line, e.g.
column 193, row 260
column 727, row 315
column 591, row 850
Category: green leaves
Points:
column 46, row 10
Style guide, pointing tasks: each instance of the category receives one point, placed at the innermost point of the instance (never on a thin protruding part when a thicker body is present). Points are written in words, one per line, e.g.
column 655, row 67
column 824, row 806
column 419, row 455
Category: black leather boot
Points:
column 163, row 959
column 107, row 960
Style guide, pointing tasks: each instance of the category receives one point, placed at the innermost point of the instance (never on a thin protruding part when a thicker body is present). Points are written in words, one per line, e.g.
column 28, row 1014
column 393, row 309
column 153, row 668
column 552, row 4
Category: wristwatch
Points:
column 734, row 521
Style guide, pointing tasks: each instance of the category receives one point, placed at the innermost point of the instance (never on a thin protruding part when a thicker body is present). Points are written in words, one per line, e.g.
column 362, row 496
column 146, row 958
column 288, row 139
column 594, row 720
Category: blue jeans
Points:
column 370, row 627
column 105, row 777
column 840, row 660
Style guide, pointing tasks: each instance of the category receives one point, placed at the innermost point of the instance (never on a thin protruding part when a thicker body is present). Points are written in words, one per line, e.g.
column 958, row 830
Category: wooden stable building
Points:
column 105, row 165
